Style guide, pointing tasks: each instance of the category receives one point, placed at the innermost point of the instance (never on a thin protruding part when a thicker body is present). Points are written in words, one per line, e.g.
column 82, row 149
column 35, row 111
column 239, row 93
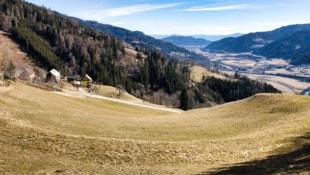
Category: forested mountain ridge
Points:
column 263, row 43
column 139, row 39
column 254, row 41
column 54, row 40
column 295, row 48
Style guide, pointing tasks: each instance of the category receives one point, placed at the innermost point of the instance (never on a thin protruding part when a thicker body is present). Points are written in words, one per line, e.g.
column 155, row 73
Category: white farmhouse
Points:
column 55, row 74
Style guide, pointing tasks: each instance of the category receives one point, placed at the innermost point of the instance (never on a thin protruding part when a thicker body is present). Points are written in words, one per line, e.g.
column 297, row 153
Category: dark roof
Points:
column 86, row 78
column 306, row 92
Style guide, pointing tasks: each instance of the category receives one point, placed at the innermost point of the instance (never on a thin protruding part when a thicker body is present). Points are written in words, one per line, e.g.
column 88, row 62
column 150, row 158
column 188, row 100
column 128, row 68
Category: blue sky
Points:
column 187, row 17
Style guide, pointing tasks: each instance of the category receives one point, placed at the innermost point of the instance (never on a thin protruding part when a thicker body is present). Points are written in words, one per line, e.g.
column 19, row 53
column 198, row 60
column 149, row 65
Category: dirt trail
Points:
column 82, row 93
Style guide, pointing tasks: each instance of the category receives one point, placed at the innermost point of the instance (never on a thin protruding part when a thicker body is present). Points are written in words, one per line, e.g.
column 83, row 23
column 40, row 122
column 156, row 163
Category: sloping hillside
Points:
column 44, row 132
column 253, row 41
column 53, row 40
column 25, row 69
column 139, row 39
column 289, row 42
column 295, row 47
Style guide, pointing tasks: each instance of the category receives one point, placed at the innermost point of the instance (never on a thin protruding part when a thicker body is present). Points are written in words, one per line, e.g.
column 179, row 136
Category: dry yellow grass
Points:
column 197, row 72
column 42, row 132
column 284, row 84
column 112, row 92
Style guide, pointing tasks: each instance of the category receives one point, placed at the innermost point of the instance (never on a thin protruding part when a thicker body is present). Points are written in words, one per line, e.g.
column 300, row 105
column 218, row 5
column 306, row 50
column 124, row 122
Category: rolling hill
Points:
column 44, row 132
column 48, row 132
column 272, row 44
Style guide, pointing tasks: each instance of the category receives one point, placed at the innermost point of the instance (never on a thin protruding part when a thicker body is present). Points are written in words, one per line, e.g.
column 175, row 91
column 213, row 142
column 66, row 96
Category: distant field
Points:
column 254, row 64
column 197, row 72
column 48, row 133
column 109, row 91
column 286, row 85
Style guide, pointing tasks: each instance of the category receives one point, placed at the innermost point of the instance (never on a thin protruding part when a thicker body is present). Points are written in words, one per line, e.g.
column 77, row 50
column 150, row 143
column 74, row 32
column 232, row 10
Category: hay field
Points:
column 197, row 72
column 47, row 133
column 284, row 84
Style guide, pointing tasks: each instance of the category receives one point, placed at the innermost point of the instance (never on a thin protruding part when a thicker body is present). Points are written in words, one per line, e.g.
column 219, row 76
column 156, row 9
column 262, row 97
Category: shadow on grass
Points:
column 295, row 162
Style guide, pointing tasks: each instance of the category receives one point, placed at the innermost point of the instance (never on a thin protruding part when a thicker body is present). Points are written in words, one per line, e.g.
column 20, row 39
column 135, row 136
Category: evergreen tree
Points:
column 184, row 100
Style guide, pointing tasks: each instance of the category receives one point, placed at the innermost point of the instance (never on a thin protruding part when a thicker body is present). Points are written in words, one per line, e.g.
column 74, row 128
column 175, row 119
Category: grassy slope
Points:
column 42, row 132
column 197, row 72
column 112, row 92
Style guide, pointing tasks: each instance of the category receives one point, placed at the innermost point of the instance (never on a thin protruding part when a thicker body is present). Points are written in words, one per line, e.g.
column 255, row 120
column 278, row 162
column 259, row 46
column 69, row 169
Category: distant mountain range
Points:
column 206, row 37
column 289, row 42
column 295, row 47
column 217, row 37
column 184, row 41
column 139, row 39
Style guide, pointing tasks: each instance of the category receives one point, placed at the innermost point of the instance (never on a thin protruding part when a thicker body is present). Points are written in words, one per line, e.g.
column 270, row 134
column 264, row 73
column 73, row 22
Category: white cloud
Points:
column 219, row 8
column 133, row 9
column 103, row 14
column 208, row 29
column 181, row 29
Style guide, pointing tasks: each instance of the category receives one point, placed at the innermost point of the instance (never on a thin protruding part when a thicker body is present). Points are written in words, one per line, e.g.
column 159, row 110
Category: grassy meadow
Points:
column 47, row 133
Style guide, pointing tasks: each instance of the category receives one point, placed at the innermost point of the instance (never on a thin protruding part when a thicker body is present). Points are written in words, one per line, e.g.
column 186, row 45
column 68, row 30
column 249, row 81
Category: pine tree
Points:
column 184, row 100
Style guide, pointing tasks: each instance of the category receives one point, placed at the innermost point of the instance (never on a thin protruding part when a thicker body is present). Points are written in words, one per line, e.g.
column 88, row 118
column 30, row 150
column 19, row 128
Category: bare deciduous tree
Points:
column 9, row 70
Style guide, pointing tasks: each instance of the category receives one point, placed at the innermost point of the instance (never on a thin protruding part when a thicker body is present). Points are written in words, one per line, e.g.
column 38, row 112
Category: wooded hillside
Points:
column 56, row 41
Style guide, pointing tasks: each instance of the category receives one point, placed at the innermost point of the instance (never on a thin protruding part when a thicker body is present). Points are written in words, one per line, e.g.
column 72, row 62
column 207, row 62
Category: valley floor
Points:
column 48, row 133
column 277, row 72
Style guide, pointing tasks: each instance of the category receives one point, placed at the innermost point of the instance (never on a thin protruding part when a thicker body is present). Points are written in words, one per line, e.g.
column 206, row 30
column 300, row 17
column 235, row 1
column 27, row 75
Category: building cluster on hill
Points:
column 55, row 76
